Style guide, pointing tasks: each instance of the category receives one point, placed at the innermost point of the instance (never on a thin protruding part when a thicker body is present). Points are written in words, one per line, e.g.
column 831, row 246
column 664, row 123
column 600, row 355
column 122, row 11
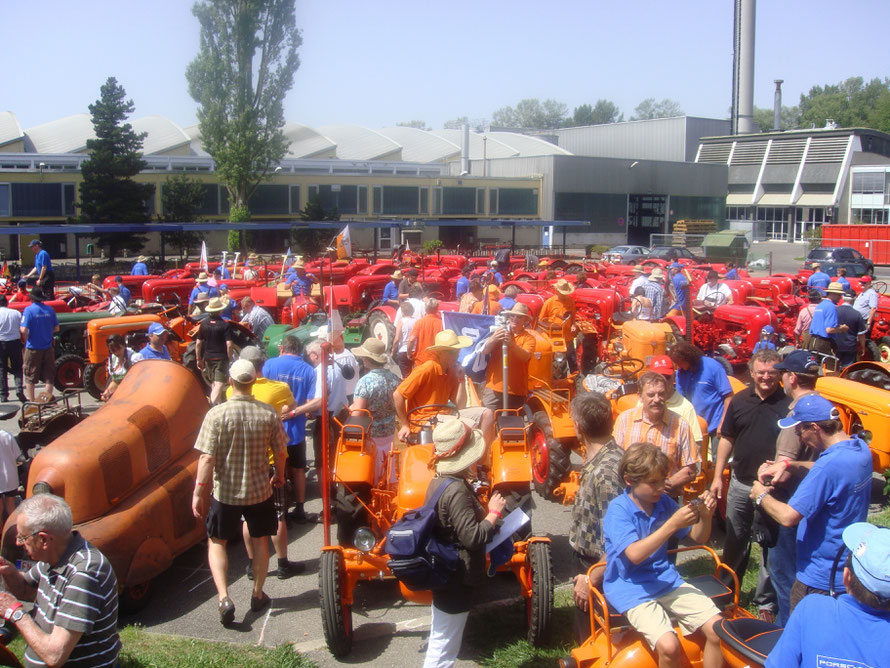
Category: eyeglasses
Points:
column 766, row 374
column 20, row 540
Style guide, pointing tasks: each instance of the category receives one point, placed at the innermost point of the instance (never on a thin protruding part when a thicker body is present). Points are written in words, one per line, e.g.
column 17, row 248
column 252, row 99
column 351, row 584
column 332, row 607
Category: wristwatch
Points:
column 14, row 613
column 759, row 498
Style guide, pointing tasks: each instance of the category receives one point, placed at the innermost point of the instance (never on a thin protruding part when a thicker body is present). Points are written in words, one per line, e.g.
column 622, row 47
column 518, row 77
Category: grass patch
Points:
column 142, row 649
column 882, row 519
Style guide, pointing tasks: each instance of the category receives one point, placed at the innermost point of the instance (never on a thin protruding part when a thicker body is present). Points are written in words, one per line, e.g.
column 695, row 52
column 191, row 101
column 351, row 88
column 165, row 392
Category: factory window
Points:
column 480, row 201
column 437, row 201
column 69, row 195
column 269, row 199
column 362, row 199
column 37, row 199
column 377, row 200
column 384, row 239
column 458, row 201
column 868, row 183
column 493, row 201
column 424, row 201
column 400, row 200
column 4, row 199
column 606, row 212
column 294, row 199
column 871, row 216
column 517, row 202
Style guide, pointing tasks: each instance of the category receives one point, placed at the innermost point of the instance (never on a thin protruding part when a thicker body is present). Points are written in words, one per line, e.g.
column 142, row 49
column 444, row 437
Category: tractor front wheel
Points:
column 95, row 378
column 551, row 460
column 69, row 372
column 539, row 606
column 135, row 598
column 336, row 616
column 381, row 328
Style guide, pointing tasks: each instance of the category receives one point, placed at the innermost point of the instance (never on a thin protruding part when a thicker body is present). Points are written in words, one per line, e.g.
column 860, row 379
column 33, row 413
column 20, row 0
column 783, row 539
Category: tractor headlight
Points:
column 559, row 357
column 596, row 315
column 738, row 340
column 364, row 539
column 619, row 346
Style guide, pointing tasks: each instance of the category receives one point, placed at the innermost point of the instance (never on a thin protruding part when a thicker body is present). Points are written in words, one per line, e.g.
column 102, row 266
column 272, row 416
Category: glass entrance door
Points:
column 645, row 217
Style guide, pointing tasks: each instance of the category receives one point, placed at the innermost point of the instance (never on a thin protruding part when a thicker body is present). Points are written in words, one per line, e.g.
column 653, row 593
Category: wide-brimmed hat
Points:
column 835, row 287
column 448, row 340
column 202, row 278
column 519, row 309
column 299, row 263
column 372, row 348
column 457, row 446
column 253, row 256
column 37, row 295
column 396, row 275
column 215, row 305
column 202, row 297
column 656, row 275
column 141, row 258
column 563, row 287
column 638, row 269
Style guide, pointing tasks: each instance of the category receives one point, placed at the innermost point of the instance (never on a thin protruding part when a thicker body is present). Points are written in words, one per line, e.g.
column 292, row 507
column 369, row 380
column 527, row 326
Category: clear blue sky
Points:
column 380, row 62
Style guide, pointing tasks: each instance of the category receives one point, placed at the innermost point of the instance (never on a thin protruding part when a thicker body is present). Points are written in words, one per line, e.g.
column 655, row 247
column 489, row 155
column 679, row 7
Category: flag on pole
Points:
column 344, row 244
column 477, row 327
column 5, row 271
column 284, row 260
column 204, row 265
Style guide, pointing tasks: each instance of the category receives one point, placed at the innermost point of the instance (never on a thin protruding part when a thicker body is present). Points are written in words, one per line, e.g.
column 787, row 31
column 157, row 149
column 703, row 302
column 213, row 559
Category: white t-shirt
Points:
column 9, row 452
column 722, row 288
column 419, row 310
column 407, row 326
column 336, row 388
column 346, row 358
column 638, row 282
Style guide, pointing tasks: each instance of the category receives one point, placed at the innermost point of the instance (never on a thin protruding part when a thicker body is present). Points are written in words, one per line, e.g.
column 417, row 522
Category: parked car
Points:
column 626, row 254
column 673, row 253
column 854, row 269
column 840, row 255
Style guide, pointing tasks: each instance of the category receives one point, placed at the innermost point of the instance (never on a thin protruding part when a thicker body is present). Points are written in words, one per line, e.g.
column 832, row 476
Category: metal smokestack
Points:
column 743, row 67
column 777, row 106
column 465, row 149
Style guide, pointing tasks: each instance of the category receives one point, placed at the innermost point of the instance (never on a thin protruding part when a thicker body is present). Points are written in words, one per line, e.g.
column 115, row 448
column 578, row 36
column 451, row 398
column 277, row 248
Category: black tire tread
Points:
column 560, row 459
column 336, row 619
column 65, row 359
column 89, row 380
column 541, row 602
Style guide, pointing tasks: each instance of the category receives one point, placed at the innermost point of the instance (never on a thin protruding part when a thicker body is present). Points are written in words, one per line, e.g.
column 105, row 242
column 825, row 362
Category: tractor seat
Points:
column 506, row 421
column 352, row 428
column 620, row 318
column 753, row 639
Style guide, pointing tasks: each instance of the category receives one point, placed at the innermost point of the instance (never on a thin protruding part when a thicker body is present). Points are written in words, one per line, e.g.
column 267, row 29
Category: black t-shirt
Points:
column 753, row 424
column 214, row 333
column 849, row 316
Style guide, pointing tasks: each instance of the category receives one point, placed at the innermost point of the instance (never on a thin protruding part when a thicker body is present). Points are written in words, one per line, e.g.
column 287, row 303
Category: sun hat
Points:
column 811, row 408
column 448, row 340
column 457, row 446
column 372, row 348
column 656, row 275
column 202, row 278
column 215, row 305
column 37, row 295
column 799, row 361
column 519, row 309
column 835, row 287
column 252, row 354
column 141, row 258
column 662, row 364
column 396, row 275
column 563, row 287
column 156, row 328
column 299, row 263
column 544, row 262
column 638, row 269
column 870, row 546
column 242, row 371
column 202, row 297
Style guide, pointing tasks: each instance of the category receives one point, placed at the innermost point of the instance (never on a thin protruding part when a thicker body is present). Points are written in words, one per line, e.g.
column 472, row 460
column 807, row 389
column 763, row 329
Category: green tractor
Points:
column 70, row 347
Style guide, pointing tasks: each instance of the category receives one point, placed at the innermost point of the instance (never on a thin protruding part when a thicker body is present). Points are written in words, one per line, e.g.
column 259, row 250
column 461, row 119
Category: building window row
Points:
column 870, row 216
column 37, row 199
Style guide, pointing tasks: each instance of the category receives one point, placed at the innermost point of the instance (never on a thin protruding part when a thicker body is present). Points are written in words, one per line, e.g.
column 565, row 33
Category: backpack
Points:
column 416, row 558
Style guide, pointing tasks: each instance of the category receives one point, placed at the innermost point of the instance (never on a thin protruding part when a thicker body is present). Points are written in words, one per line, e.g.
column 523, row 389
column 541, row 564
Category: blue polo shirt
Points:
column 507, row 303
column 764, row 345
column 225, row 273
column 626, row 585
column 149, row 353
column 679, row 281
column 203, row 287
column 824, row 632
column 462, row 286
column 819, row 279
column 824, row 315
column 833, row 495
column 300, row 378
column 843, row 281
column 706, row 387
column 732, row 274
column 40, row 321
column 391, row 292
column 125, row 292
column 42, row 260
column 139, row 269
column 301, row 286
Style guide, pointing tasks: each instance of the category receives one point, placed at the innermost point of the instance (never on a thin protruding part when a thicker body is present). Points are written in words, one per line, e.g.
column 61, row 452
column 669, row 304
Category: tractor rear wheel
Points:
column 69, row 372
column 871, row 348
column 350, row 513
column 725, row 364
column 95, row 378
column 190, row 362
column 884, row 349
column 539, row 606
column 551, row 460
column 336, row 617
column 381, row 328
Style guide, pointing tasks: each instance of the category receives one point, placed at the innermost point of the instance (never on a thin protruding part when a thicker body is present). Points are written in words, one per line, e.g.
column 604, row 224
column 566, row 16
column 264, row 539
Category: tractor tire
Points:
column 336, row 617
column 725, row 364
column 884, row 349
column 518, row 495
column 190, row 362
column 135, row 598
column 551, row 460
column 69, row 372
column 350, row 513
column 381, row 328
column 539, row 606
column 872, row 350
column 95, row 378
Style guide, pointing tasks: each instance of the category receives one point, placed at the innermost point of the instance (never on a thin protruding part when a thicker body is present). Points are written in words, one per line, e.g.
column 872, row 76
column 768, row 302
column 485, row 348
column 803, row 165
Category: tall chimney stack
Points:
column 742, row 121
column 465, row 149
column 777, row 106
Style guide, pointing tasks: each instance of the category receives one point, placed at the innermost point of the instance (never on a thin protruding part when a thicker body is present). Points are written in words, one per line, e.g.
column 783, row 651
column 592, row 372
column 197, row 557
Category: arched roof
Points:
column 491, row 148
column 306, row 142
column 164, row 135
column 526, row 145
column 420, row 145
column 65, row 135
column 10, row 130
column 355, row 142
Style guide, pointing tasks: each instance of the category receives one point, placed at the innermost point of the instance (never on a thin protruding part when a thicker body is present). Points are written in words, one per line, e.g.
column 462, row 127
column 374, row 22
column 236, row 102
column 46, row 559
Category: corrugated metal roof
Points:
column 421, row 145
column 65, row 135
column 10, row 130
column 355, row 142
column 163, row 134
column 528, row 146
column 492, row 149
column 306, row 142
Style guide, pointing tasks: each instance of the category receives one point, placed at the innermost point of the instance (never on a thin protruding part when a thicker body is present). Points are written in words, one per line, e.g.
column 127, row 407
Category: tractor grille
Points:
column 117, row 471
column 179, row 485
column 156, row 435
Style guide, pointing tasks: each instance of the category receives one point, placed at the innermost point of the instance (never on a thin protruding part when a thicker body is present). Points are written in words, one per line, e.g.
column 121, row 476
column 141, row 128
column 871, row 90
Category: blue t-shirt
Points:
column 507, row 303
column 40, row 321
column 301, row 286
column 732, row 274
column 203, row 287
column 125, row 292
column 833, row 495
column 626, row 585
column 764, row 345
column 462, row 286
column 300, row 378
column 149, row 353
column 819, row 279
column 824, row 315
column 706, row 387
column 139, row 269
column 391, row 292
column 824, row 632
column 225, row 273
column 42, row 260
column 843, row 281
column 679, row 281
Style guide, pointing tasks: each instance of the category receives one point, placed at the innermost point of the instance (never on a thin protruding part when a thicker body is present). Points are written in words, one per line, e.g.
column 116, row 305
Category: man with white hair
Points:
column 72, row 584
column 256, row 317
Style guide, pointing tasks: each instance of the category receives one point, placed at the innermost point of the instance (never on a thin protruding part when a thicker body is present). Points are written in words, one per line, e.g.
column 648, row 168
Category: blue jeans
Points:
column 782, row 565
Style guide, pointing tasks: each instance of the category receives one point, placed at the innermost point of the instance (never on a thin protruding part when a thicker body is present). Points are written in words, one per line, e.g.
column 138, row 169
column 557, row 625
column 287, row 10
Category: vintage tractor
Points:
column 70, row 347
column 128, row 473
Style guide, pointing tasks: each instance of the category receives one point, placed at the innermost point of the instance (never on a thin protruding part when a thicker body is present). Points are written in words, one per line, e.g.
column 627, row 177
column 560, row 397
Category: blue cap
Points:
column 768, row 329
column 870, row 546
column 811, row 408
column 156, row 328
column 35, row 242
column 675, row 265
column 799, row 361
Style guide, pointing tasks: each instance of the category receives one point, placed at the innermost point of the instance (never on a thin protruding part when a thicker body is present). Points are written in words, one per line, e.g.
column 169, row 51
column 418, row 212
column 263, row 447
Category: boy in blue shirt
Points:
column 640, row 580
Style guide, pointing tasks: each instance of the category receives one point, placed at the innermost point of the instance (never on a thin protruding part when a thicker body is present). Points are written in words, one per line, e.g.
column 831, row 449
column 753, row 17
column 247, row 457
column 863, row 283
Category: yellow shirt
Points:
column 272, row 392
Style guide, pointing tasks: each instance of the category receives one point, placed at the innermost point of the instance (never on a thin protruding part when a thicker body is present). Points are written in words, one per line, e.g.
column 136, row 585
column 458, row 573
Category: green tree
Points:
column 420, row 125
column 181, row 198
column 240, row 77
column 108, row 193
column 308, row 241
column 650, row 108
column 532, row 113
column 456, row 123
column 604, row 112
column 851, row 103
column 789, row 116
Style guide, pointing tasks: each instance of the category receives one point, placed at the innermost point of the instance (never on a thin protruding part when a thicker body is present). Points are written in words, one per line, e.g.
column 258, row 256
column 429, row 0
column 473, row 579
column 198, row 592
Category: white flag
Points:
column 204, row 256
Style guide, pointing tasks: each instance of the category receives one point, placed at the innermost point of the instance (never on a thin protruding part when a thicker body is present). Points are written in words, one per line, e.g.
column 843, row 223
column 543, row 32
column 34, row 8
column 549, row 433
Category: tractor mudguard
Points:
column 388, row 310
column 355, row 467
column 509, row 465
column 414, row 477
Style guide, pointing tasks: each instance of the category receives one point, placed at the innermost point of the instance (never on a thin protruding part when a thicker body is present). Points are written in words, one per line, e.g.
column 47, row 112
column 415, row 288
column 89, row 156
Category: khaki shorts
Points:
column 472, row 416
column 217, row 370
column 39, row 365
column 688, row 605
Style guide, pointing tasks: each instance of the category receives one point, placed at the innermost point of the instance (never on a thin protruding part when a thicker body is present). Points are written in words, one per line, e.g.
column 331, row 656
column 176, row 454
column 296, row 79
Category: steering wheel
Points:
column 626, row 367
column 714, row 299
column 436, row 295
column 880, row 287
column 627, row 305
column 418, row 423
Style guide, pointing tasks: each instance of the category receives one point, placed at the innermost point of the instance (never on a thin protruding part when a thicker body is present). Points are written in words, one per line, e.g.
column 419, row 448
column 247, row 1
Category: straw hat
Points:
column 215, row 305
column 638, row 269
column 253, row 256
column 457, row 446
column 835, row 287
column 202, row 277
column 299, row 263
column 519, row 309
column 141, row 258
column 563, row 287
column 202, row 297
column 448, row 340
column 656, row 275
column 372, row 348
column 544, row 262
column 397, row 275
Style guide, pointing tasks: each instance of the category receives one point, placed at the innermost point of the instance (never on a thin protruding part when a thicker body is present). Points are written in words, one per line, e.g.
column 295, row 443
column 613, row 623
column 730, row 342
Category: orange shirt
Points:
column 428, row 384
column 554, row 310
column 493, row 307
column 517, row 371
column 424, row 333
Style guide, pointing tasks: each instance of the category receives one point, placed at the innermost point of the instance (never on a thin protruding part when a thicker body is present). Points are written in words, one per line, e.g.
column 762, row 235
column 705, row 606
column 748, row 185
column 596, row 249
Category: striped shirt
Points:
column 238, row 434
column 655, row 292
column 672, row 436
column 78, row 594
